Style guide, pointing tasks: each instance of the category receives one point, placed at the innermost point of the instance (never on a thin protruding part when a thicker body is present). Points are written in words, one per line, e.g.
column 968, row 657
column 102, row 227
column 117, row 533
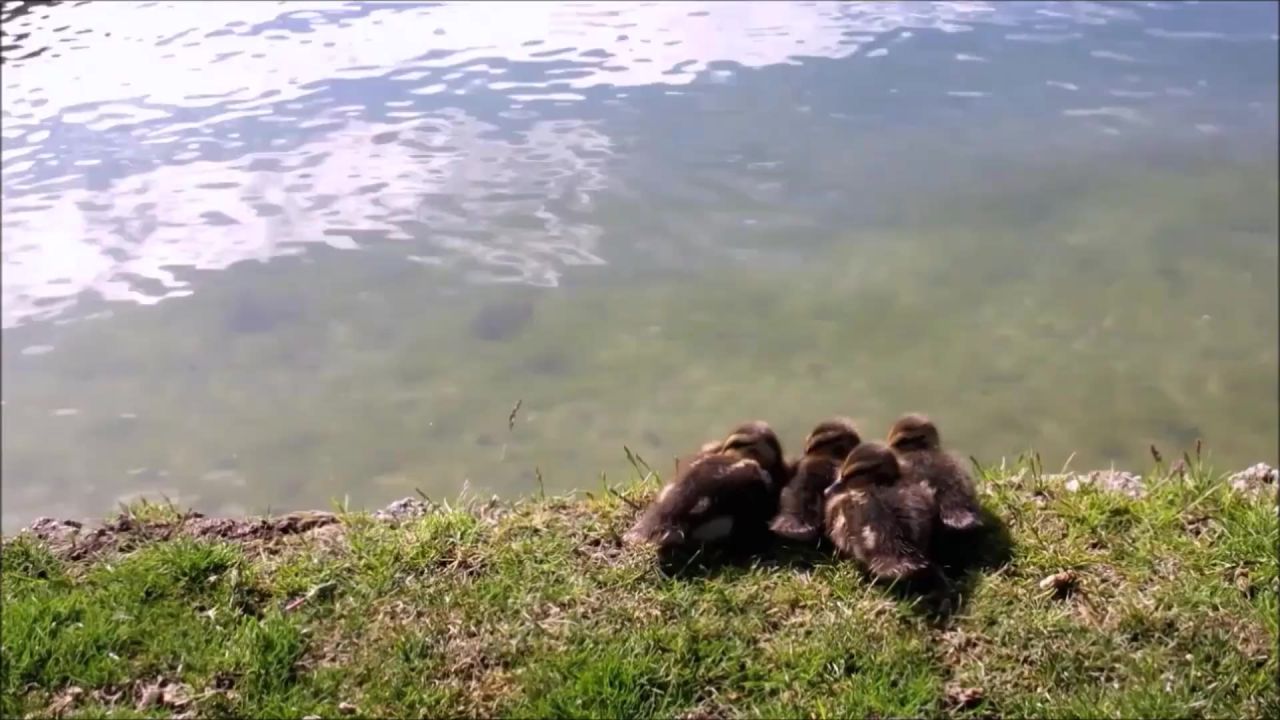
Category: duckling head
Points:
column 914, row 432
column 834, row 438
column 870, row 463
column 756, row 441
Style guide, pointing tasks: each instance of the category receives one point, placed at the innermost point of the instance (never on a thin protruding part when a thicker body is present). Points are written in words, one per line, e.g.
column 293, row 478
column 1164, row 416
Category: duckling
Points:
column 878, row 517
column 725, row 492
column 800, row 505
column 914, row 438
column 757, row 441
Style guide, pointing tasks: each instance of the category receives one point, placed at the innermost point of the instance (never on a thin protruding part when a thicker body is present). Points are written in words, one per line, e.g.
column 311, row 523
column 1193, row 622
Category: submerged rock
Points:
column 502, row 320
column 254, row 312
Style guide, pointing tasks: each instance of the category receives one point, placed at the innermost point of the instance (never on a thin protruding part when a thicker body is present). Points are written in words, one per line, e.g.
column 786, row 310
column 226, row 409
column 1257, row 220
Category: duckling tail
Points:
column 959, row 518
column 647, row 532
column 898, row 567
column 793, row 528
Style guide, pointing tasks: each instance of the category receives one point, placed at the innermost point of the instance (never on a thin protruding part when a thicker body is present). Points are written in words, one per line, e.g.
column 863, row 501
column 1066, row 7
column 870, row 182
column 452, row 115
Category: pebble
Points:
column 402, row 509
column 1059, row 580
column 1256, row 480
column 1109, row 480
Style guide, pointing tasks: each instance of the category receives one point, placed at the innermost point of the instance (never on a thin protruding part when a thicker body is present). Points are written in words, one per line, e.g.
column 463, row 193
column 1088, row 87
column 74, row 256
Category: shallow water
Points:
column 267, row 256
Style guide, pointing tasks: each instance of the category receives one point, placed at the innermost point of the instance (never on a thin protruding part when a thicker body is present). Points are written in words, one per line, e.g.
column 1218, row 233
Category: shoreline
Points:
column 1256, row 479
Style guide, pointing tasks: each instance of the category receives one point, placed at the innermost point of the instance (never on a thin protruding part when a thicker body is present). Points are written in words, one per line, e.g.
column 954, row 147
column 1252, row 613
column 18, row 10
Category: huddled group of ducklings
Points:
column 877, row 503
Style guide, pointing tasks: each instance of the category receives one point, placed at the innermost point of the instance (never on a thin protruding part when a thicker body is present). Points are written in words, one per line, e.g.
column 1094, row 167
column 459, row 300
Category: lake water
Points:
column 265, row 255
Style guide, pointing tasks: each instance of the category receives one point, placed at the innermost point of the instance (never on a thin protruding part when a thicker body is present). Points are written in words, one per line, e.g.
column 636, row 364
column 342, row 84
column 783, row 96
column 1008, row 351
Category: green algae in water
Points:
column 1127, row 310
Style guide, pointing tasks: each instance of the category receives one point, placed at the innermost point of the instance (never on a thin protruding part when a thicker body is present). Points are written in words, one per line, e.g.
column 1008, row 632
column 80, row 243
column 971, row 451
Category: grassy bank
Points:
column 533, row 609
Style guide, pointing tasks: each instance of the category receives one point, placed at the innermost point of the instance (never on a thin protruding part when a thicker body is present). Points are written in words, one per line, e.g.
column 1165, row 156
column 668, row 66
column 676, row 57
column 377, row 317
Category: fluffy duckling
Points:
column 916, row 441
column 757, row 441
column 800, row 505
column 725, row 492
column 877, row 516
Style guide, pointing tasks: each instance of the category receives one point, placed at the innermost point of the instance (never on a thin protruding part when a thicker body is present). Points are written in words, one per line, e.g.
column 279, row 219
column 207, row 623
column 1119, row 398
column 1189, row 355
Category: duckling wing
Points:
column 957, row 499
column 914, row 506
column 799, row 515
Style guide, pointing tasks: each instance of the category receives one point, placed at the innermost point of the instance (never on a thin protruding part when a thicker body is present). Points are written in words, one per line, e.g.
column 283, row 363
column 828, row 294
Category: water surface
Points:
column 268, row 255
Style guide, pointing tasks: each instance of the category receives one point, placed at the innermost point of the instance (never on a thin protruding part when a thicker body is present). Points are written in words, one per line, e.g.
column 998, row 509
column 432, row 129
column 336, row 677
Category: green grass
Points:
column 533, row 610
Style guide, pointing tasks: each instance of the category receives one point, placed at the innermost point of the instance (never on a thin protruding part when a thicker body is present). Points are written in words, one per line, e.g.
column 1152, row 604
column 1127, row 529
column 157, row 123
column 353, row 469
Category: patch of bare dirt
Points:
column 70, row 540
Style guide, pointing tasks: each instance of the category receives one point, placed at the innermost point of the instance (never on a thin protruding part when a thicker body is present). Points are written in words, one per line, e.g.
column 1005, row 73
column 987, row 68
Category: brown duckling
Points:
column 800, row 505
column 726, row 492
column 757, row 441
column 876, row 516
column 916, row 441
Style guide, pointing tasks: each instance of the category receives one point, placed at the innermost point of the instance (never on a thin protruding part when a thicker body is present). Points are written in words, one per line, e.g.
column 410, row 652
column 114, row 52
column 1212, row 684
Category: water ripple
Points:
column 139, row 145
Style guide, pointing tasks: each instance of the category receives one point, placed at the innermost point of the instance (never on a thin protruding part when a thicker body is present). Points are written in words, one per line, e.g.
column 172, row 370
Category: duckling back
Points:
column 951, row 482
column 956, row 494
column 876, row 517
column 717, row 498
column 876, row 529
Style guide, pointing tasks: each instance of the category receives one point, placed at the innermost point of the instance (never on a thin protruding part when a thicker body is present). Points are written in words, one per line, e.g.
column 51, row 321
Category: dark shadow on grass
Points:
column 761, row 550
column 961, row 560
